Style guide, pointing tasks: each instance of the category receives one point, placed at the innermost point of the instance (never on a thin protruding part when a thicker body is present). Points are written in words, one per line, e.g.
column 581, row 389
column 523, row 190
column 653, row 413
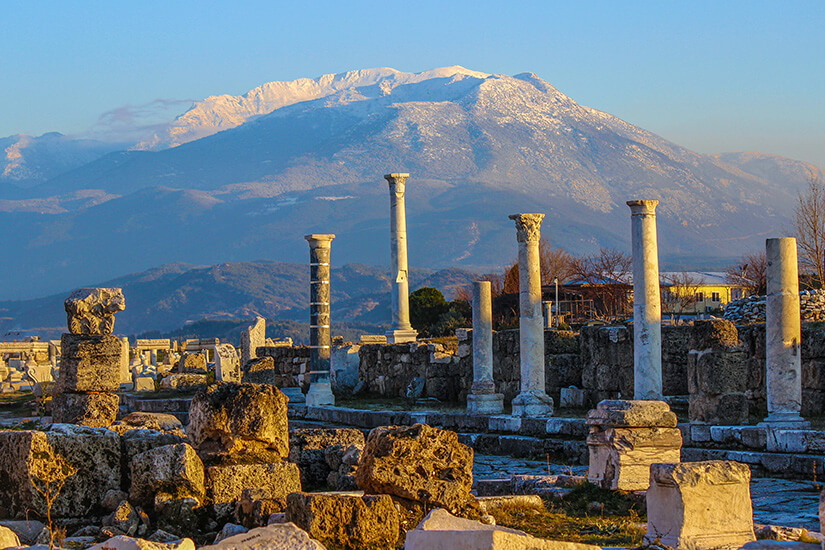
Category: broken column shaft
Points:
column 483, row 398
column 783, row 350
column 647, row 307
column 320, row 390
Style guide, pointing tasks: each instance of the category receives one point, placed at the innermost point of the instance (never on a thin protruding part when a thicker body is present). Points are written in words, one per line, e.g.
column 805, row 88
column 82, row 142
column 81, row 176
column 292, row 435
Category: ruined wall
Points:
column 607, row 361
column 291, row 364
column 445, row 371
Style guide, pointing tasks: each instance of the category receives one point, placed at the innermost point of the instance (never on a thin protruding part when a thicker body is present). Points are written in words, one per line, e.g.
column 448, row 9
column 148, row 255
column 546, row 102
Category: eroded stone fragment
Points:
column 91, row 311
column 419, row 463
column 277, row 536
column 442, row 531
column 632, row 414
column 225, row 484
column 236, row 419
column 89, row 363
column 346, row 520
column 700, row 505
column 96, row 410
column 174, row 470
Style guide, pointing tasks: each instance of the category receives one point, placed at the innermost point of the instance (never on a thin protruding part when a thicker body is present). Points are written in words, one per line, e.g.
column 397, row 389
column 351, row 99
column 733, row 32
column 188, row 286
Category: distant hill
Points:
column 173, row 297
column 236, row 179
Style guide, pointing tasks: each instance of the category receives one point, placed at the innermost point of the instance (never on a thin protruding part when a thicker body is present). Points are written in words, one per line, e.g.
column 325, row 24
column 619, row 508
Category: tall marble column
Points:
column 401, row 330
column 320, row 390
column 647, row 306
column 483, row 398
column 532, row 400
column 783, row 352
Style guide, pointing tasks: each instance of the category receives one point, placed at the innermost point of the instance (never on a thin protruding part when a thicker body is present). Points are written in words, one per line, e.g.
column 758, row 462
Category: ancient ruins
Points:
column 157, row 444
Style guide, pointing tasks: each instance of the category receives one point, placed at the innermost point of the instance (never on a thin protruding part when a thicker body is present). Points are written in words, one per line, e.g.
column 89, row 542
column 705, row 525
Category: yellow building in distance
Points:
column 691, row 292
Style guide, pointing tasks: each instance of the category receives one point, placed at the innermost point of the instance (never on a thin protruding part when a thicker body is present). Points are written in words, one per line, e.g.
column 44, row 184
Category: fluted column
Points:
column 483, row 398
column 401, row 330
column 320, row 390
column 532, row 399
column 783, row 350
column 647, row 306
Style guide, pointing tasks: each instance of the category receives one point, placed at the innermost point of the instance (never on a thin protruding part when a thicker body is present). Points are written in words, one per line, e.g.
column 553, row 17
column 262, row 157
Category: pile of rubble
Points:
column 752, row 308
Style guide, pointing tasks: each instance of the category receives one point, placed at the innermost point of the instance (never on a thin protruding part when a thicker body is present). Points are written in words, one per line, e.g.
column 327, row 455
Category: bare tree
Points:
column 608, row 274
column 555, row 262
column 809, row 225
column 751, row 272
column 680, row 292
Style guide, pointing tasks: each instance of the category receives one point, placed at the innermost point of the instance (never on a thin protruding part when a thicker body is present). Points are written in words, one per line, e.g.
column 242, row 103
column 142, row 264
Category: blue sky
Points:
column 712, row 76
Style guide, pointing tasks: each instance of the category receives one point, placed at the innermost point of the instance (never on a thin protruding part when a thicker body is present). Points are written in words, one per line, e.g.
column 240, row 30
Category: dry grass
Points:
column 617, row 521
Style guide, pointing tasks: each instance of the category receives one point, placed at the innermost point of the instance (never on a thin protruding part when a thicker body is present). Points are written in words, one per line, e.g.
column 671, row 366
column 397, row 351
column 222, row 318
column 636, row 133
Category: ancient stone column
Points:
column 783, row 352
column 401, row 330
column 483, row 398
column 647, row 307
column 532, row 400
column 320, row 390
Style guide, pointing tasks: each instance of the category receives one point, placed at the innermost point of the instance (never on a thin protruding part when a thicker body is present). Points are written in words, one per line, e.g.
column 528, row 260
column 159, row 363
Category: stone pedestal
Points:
column 483, row 398
column 783, row 350
column 700, row 505
column 294, row 394
column 320, row 388
column 532, row 399
column 401, row 330
column 647, row 307
column 625, row 438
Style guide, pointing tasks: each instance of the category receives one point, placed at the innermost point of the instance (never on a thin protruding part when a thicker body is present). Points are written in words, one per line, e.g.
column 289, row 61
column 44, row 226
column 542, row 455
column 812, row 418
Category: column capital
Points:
column 317, row 240
column 528, row 227
column 398, row 180
column 642, row 208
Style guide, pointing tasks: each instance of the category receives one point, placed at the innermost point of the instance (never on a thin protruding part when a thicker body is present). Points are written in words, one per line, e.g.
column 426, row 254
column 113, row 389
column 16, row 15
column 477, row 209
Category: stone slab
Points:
column 632, row 414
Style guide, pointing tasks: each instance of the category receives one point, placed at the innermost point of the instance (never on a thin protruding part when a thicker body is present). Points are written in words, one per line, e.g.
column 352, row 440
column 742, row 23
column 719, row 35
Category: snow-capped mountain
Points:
column 243, row 178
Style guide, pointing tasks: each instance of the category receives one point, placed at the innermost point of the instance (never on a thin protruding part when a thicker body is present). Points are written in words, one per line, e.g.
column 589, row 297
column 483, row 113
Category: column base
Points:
column 532, row 404
column 320, row 394
column 485, row 403
column 785, row 420
column 294, row 394
column 401, row 336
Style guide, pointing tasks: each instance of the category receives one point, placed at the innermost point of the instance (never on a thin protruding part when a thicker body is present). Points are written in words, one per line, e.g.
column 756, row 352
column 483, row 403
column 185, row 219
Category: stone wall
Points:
column 607, row 361
column 291, row 362
column 445, row 371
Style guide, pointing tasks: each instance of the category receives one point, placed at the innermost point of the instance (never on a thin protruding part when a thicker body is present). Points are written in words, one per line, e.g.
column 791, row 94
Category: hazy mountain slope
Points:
column 478, row 146
column 173, row 295
column 27, row 161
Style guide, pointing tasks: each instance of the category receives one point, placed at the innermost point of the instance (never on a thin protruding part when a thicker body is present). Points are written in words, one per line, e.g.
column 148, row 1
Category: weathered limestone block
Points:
column 346, row 520
column 625, row 438
column 419, row 463
column 253, row 338
column 225, row 484
column 91, row 311
column 227, row 364
column 632, row 414
column 232, row 419
column 700, row 505
column 94, row 453
column 307, row 449
column 717, row 374
column 263, row 370
column 442, row 531
column 194, row 363
column 89, row 363
column 8, row 538
column 277, row 536
column 173, row 470
column 136, row 441
column 122, row 542
column 151, row 421
column 184, row 382
column 96, row 410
